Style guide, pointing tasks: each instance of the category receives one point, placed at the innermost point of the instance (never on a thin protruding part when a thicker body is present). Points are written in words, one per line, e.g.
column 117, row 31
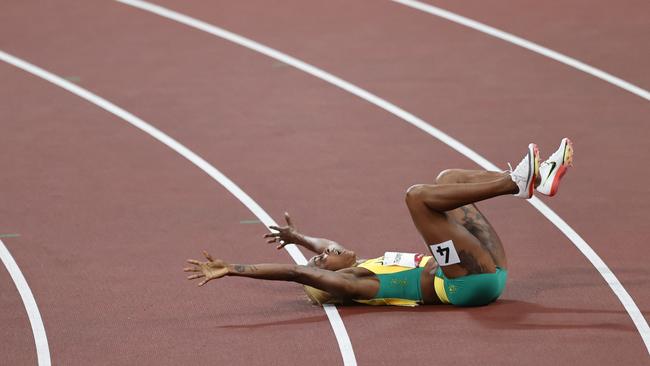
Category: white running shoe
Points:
column 526, row 172
column 554, row 168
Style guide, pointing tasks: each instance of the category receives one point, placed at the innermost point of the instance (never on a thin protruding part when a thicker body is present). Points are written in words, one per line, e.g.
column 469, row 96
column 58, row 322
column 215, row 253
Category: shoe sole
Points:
column 534, row 151
column 567, row 161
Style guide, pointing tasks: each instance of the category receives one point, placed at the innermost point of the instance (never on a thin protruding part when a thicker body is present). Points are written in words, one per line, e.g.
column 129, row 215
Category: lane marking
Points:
column 613, row 282
column 40, row 338
column 531, row 46
column 246, row 222
column 333, row 315
column 276, row 65
column 73, row 79
column 9, row 235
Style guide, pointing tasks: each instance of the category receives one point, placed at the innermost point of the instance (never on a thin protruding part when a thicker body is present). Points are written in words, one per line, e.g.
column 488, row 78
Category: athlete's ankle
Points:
column 509, row 185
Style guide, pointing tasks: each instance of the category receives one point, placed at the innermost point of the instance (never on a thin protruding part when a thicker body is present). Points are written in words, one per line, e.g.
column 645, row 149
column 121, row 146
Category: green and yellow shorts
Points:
column 470, row 290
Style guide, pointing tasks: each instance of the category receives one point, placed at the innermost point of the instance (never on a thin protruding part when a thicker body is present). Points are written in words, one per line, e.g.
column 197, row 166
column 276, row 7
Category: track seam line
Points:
column 35, row 320
column 609, row 277
column 334, row 317
column 524, row 43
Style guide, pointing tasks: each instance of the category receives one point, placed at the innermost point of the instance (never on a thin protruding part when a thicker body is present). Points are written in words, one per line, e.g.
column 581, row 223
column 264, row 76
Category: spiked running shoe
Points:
column 554, row 168
column 525, row 174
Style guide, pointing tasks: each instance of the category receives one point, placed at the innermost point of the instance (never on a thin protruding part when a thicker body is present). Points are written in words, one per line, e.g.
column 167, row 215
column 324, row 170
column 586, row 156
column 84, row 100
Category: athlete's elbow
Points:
column 295, row 273
column 302, row 274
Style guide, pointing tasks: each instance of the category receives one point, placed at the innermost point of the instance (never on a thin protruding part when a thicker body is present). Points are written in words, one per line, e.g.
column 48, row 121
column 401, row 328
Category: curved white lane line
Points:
column 40, row 338
column 494, row 32
column 596, row 261
column 338, row 327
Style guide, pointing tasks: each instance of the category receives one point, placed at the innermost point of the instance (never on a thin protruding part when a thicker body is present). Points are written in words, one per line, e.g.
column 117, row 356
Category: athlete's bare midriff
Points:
column 427, row 276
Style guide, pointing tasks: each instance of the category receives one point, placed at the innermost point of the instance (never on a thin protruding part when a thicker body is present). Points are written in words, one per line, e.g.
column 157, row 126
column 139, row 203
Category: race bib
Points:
column 411, row 260
column 444, row 253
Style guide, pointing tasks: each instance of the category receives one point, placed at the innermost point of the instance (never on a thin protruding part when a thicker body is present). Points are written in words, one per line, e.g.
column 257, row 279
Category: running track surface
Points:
column 105, row 216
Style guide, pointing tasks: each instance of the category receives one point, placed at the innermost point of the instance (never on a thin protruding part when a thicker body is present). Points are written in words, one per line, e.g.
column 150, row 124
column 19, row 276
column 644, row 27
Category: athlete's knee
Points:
column 414, row 194
column 448, row 176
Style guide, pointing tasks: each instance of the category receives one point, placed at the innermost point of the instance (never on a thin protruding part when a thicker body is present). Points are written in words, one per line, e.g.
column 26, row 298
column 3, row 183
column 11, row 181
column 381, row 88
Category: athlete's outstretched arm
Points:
column 290, row 235
column 339, row 284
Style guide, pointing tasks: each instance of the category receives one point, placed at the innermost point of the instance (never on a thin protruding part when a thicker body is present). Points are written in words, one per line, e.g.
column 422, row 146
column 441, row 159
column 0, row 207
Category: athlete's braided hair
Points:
column 320, row 297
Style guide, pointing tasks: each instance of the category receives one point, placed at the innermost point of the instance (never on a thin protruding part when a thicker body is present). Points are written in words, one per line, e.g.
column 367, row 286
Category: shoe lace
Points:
column 517, row 175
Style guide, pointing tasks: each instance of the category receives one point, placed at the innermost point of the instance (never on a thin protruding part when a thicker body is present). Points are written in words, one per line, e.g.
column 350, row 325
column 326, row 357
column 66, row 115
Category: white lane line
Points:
column 40, row 338
column 334, row 317
column 596, row 261
column 484, row 28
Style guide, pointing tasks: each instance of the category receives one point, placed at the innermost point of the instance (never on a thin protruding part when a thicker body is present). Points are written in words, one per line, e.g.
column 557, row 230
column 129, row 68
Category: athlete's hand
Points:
column 211, row 270
column 285, row 234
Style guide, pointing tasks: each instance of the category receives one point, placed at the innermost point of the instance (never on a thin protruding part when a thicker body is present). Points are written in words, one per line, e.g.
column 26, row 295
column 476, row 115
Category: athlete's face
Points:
column 334, row 259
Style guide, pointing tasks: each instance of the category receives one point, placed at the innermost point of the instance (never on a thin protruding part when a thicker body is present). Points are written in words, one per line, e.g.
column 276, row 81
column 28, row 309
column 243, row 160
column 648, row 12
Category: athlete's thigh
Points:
column 436, row 227
column 472, row 219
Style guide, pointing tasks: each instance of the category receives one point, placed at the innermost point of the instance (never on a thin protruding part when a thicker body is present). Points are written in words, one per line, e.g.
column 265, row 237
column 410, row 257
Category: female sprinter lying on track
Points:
column 468, row 266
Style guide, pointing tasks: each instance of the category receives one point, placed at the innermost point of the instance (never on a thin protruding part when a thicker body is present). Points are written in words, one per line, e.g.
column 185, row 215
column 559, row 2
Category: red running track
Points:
column 106, row 215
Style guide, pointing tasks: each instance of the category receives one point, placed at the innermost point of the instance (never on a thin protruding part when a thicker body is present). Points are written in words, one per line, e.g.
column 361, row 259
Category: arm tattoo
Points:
column 241, row 268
